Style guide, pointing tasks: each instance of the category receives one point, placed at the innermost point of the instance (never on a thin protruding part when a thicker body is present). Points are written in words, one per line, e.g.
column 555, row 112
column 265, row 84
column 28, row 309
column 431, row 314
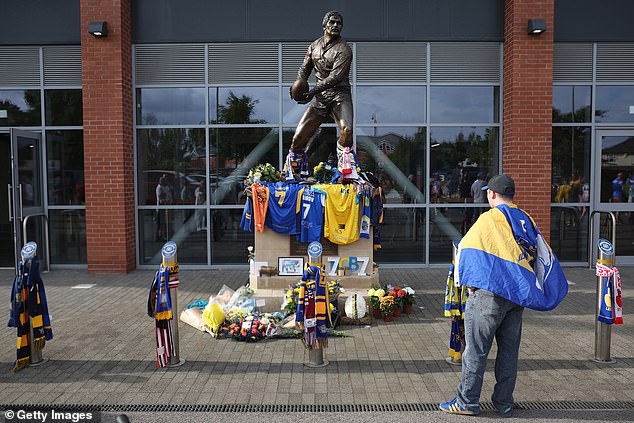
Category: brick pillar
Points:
column 108, row 146
column 527, row 134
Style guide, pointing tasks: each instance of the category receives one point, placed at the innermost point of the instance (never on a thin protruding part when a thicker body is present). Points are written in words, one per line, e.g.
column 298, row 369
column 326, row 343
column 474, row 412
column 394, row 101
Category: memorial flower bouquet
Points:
column 410, row 298
column 375, row 295
column 386, row 306
column 263, row 173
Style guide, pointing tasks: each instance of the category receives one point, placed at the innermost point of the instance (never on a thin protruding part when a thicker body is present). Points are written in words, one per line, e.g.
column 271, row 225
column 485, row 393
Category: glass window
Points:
column 572, row 97
column 569, row 232
column 63, row 107
column 293, row 112
column 390, row 104
column 20, row 108
column 464, row 104
column 65, row 166
column 246, row 105
column 171, row 165
column 234, row 152
column 67, row 236
column 323, row 148
column 458, row 156
column 178, row 225
column 446, row 225
column 402, row 236
column 230, row 241
column 571, row 165
column 396, row 155
column 170, row 106
column 614, row 104
column 617, row 169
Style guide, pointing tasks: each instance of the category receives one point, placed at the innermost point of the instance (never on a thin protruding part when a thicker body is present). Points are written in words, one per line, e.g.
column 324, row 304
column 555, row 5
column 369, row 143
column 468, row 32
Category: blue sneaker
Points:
column 452, row 407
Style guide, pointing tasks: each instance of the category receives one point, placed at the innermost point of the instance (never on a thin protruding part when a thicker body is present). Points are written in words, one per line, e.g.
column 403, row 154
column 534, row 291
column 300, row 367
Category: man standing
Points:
column 506, row 265
column 331, row 57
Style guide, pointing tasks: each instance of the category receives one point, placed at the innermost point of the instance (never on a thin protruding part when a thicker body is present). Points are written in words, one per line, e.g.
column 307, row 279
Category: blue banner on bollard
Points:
column 314, row 251
column 605, row 246
column 28, row 251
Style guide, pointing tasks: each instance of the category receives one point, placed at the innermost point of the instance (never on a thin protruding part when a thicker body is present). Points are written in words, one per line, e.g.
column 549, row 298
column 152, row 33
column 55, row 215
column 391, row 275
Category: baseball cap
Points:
column 501, row 184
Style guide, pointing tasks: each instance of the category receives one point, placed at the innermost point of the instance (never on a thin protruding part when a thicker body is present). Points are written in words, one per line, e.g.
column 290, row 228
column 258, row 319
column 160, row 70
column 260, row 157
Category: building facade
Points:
column 124, row 141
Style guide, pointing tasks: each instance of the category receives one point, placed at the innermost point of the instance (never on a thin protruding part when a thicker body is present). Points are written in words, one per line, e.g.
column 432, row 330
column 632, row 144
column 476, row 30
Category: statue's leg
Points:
column 346, row 159
column 296, row 163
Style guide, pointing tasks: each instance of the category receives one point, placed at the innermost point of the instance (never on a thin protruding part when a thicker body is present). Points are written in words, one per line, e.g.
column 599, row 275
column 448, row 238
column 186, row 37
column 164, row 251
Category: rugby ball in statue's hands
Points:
column 299, row 89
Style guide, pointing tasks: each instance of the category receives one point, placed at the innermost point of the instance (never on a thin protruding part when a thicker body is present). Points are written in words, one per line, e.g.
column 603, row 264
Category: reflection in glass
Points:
column 230, row 241
column 458, row 156
column 293, row 112
column 29, row 171
column 464, row 104
column 396, row 155
column 170, row 106
column 390, row 104
column 567, row 98
column 65, row 165
column 617, row 169
column 571, row 165
column 67, row 236
column 22, row 107
column 234, row 152
column 569, row 233
column 246, row 105
column 614, row 104
column 63, row 107
column 402, row 236
column 179, row 225
column 446, row 225
column 322, row 148
column 7, row 248
column 178, row 155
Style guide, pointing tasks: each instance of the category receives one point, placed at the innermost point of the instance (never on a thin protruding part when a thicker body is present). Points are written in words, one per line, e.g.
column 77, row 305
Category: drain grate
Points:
column 313, row 408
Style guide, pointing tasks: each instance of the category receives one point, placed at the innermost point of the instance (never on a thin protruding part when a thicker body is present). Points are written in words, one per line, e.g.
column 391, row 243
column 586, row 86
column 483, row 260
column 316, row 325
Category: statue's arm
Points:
column 340, row 70
column 307, row 66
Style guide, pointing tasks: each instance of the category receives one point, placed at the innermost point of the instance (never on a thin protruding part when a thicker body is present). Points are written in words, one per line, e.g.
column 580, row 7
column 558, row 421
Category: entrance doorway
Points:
column 21, row 161
column 614, row 179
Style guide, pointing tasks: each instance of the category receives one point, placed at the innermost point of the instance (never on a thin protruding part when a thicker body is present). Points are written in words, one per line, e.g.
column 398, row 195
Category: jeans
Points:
column 486, row 316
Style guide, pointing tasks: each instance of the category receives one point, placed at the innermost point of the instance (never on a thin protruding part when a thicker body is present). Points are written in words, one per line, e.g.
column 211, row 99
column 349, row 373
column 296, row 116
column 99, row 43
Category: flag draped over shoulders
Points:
column 505, row 253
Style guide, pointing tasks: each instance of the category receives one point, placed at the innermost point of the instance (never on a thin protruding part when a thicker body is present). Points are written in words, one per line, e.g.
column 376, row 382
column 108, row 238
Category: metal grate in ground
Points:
column 314, row 408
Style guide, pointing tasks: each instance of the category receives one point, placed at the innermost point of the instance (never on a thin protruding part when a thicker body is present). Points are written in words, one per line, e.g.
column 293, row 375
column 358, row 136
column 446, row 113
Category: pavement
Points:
column 103, row 355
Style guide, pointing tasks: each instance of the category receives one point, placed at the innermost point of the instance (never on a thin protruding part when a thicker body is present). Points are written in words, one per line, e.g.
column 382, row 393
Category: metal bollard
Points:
column 603, row 331
column 28, row 253
column 169, row 255
column 315, row 356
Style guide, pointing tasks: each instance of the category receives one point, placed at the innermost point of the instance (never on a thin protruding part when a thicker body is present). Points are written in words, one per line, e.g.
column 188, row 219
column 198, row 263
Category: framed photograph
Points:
column 290, row 266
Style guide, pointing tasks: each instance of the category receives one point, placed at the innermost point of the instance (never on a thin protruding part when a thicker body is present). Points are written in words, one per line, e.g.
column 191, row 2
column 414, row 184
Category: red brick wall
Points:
column 527, row 133
column 108, row 146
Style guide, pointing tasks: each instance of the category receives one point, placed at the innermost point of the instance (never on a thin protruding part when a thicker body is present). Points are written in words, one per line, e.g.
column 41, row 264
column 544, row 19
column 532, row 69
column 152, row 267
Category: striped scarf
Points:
column 28, row 302
column 160, row 308
column 312, row 308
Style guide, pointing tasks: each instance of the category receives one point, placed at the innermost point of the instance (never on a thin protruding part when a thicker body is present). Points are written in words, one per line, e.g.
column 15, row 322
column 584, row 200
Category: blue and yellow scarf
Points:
column 28, row 301
column 312, row 308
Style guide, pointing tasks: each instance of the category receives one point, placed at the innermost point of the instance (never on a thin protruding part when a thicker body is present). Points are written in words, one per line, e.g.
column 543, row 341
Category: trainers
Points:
column 452, row 407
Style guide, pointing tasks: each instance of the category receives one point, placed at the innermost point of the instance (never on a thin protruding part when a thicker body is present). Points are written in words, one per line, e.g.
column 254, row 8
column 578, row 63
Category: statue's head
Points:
column 332, row 23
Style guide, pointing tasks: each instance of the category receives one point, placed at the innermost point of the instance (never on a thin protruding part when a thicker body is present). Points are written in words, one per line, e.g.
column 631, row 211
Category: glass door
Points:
column 25, row 194
column 615, row 193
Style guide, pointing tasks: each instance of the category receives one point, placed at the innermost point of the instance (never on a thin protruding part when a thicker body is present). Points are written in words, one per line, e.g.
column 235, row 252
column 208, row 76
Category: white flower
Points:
column 409, row 290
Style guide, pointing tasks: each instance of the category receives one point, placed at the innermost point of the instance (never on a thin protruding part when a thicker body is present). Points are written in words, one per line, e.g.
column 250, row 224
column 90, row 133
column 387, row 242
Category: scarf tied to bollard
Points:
column 160, row 309
column 28, row 301
column 312, row 308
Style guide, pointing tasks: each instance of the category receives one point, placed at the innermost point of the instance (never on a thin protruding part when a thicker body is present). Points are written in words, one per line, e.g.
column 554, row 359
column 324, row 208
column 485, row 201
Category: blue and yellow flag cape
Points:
column 505, row 253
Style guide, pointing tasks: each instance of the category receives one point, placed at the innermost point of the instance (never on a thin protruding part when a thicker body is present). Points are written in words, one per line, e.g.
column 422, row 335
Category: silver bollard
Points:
column 603, row 331
column 28, row 253
column 315, row 356
column 169, row 255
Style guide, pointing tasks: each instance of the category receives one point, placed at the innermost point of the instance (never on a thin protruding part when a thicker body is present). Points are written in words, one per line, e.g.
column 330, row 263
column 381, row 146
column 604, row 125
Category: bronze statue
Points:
column 331, row 57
